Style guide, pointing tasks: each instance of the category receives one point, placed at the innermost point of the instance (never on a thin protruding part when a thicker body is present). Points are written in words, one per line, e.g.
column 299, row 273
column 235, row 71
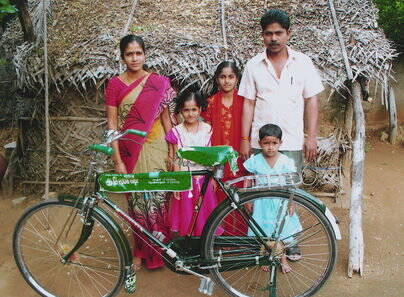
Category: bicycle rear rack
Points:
column 265, row 182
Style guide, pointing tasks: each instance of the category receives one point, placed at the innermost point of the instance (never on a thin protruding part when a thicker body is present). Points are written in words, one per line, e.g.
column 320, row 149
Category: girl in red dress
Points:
column 223, row 113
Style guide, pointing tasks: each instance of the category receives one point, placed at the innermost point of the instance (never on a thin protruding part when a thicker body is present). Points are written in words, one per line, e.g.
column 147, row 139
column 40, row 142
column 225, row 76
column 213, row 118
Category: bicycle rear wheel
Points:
column 49, row 230
column 244, row 264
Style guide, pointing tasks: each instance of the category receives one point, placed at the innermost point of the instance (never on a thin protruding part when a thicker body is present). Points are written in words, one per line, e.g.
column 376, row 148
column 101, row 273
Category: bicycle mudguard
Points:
column 317, row 203
column 77, row 202
column 324, row 209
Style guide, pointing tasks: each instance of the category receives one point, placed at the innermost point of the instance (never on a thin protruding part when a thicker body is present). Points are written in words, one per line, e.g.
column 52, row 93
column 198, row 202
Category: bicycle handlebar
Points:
column 100, row 148
column 112, row 135
column 137, row 132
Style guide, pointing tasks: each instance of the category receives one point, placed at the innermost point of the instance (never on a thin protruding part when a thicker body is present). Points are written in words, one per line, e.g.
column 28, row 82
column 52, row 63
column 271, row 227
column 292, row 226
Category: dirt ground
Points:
column 383, row 224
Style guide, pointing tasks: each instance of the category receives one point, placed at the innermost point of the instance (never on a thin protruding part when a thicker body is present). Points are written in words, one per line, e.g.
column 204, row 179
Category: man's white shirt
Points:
column 280, row 101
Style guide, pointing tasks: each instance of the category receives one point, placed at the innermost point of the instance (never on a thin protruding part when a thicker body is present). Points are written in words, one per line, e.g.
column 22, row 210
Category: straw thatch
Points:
column 185, row 40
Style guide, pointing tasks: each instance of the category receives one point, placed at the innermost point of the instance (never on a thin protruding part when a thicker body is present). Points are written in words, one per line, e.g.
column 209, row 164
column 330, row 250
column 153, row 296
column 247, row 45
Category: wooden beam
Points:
column 77, row 119
column 341, row 40
column 346, row 178
column 37, row 182
column 392, row 115
column 324, row 194
column 356, row 246
column 46, row 74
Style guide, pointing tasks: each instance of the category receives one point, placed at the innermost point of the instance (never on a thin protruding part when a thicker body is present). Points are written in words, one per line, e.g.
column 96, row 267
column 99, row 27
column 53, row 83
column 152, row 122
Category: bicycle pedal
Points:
column 130, row 281
column 206, row 286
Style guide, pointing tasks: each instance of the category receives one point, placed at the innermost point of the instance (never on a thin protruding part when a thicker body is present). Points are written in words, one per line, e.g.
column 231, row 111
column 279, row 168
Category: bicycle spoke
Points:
column 47, row 232
column 304, row 229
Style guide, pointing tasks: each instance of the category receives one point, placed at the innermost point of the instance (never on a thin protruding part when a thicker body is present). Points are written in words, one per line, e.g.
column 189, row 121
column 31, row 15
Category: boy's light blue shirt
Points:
column 258, row 165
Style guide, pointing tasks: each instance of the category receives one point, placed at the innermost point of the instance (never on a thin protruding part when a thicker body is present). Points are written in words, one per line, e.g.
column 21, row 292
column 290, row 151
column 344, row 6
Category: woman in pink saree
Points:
column 137, row 99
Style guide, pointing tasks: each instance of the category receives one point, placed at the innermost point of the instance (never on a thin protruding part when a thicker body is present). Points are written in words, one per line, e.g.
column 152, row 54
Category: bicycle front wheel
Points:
column 48, row 231
column 251, row 265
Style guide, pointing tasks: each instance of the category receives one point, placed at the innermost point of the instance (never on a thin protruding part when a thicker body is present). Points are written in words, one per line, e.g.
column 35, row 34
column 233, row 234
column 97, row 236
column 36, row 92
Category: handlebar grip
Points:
column 137, row 132
column 101, row 149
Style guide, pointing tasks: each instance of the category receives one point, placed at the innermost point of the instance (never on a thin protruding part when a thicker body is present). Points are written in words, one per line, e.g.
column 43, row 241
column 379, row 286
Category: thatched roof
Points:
column 185, row 39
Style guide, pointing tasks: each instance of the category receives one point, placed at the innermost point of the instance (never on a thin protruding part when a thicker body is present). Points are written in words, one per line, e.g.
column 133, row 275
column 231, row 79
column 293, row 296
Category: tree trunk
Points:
column 356, row 246
column 25, row 19
column 392, row 115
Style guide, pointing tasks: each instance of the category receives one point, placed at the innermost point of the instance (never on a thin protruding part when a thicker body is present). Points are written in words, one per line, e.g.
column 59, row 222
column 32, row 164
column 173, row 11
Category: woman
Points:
column 138, row 99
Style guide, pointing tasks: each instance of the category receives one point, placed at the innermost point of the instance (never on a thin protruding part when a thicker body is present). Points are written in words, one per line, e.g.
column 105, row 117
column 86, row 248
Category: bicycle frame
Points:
column 213, row 251
column 232, row 195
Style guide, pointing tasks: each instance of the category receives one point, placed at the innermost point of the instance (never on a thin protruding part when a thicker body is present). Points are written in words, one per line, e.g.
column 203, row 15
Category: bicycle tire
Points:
column 41, row 236
column 315, row 239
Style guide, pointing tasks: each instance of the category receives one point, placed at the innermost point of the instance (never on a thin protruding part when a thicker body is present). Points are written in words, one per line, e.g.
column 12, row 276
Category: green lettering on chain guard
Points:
column 210, row 156
column 145, row 182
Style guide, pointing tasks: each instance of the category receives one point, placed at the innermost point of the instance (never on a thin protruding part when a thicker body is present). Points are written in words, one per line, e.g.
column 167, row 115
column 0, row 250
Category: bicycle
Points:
column 71, row 246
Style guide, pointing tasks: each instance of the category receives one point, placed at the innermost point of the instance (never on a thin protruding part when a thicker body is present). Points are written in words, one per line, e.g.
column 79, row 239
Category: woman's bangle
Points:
column 245, row 138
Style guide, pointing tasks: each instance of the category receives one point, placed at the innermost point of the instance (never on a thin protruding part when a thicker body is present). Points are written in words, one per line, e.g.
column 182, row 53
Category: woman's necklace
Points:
column 227, row 100
column 131, row 77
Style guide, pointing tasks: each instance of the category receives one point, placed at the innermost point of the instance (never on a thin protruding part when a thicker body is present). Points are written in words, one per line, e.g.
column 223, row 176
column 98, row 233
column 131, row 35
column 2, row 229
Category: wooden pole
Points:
column 126, row 29
column 348, row 68
column 47, row 134
column 223, row 23
column 392, row 114
column 356, row 245
column 346, row 178
column 77, row 119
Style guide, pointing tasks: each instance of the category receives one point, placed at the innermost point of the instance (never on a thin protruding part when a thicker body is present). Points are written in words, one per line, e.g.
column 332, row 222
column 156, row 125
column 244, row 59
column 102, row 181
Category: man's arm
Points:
column 246, row 120
column 310, row 121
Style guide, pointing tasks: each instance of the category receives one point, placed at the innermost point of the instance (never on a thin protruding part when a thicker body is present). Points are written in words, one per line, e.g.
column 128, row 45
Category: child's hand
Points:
column 249, row 207
column 120, row 168
column 214, row 185
column 177, row 195
column 247, row 183
column 291, row 208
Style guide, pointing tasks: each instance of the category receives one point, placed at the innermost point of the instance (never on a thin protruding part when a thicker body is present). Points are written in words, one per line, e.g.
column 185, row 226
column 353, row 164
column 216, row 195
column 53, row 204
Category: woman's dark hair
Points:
column 270, row 130
column 123, row 44
column 219, row 70
column 275, row 16
column 191, row 93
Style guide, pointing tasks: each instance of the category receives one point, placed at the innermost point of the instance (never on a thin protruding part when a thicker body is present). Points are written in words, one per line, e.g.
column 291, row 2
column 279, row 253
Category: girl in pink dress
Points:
column 192, row 132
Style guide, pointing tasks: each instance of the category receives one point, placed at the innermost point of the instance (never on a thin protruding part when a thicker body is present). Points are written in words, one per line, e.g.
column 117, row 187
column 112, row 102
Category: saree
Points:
column 139, row 107
column 226, row 127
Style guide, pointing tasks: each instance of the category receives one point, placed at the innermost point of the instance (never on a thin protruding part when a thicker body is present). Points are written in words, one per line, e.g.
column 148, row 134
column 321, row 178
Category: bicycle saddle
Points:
column 210, row 156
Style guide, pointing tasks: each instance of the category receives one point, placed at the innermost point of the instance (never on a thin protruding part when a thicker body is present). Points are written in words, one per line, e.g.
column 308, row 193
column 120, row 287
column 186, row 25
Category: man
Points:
column 280, row 86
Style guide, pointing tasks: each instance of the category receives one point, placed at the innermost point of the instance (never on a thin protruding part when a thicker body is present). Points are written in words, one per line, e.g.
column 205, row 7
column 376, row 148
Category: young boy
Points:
column 265, row 211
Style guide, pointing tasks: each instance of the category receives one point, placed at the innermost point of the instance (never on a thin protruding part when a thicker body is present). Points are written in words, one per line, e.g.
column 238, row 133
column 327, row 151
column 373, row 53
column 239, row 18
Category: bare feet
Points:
column 284, row 266
column 137, row 263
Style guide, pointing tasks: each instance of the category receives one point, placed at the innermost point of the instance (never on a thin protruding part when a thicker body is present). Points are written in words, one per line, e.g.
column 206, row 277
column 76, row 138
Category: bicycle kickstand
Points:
column 205, row 286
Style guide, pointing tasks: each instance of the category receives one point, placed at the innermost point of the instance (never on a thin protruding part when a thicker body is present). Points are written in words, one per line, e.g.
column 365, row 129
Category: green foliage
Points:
column 6, row 8
column 391, row 19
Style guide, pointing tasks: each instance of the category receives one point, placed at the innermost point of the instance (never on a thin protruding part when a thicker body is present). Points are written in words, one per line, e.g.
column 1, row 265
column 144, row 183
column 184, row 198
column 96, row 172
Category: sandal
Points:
column 293, row 253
